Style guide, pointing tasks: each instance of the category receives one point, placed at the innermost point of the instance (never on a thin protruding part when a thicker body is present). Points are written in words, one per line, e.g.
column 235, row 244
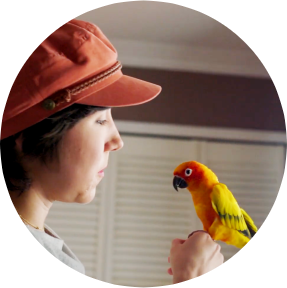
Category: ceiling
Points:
column 167, row 36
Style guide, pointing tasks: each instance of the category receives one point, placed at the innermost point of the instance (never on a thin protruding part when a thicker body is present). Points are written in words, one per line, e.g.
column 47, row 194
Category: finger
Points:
column 169, row 271
column 177, row 241
column 218, row 248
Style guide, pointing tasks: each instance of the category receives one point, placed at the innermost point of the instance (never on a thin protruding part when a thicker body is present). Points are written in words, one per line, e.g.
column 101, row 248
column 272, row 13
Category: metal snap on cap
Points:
column 49, row 104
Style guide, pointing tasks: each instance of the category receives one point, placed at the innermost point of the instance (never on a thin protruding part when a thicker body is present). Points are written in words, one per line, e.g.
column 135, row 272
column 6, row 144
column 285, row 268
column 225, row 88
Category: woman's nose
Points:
column 117, row 143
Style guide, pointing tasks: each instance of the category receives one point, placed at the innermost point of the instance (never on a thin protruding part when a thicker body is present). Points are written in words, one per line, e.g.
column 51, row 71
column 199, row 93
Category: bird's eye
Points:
column 188, row 172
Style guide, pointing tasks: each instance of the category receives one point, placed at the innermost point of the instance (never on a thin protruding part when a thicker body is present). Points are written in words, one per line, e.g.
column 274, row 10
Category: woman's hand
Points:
column 193, row 257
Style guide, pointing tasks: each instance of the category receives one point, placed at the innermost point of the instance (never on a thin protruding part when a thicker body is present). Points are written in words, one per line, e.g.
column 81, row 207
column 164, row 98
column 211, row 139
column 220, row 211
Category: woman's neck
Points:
column 32, row 206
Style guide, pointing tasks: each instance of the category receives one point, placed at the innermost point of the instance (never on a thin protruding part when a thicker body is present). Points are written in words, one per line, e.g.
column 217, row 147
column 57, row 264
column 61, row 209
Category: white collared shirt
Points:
column 56, row 246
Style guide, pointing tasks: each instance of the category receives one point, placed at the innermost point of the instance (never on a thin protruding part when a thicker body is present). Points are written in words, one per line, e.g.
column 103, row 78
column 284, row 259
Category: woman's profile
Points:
column 57, row 133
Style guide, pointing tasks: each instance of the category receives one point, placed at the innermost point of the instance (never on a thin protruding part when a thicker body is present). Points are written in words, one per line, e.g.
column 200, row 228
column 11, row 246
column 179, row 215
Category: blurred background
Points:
column 218, row 106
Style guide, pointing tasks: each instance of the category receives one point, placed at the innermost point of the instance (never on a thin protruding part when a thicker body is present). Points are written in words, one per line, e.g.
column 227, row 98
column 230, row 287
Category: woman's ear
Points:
column 19, row 142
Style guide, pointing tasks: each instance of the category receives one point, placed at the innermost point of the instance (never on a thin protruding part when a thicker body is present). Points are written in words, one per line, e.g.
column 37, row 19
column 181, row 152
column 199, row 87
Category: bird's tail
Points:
column 250, row 224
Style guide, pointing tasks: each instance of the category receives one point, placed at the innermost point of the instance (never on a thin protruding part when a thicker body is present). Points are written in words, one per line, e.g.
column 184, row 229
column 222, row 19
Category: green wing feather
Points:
column 249, row 222
column 226, row 206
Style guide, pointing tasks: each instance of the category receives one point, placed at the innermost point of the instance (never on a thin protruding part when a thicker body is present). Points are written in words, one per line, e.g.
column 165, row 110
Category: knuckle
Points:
column 174, row 241
column 202, row 234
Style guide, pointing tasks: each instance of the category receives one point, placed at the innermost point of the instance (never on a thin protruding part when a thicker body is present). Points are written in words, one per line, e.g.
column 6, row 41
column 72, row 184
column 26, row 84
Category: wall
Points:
column 207, row 100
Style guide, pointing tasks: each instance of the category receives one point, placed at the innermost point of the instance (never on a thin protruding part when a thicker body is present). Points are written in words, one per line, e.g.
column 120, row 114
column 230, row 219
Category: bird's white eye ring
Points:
column 188, row 172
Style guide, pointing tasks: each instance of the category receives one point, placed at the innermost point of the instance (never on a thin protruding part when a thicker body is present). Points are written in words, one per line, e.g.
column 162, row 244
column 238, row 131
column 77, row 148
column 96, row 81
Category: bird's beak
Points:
column 179, row 182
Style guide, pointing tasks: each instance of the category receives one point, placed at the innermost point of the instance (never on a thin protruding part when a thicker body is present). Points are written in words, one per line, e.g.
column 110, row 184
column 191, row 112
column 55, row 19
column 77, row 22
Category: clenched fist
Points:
column 193, row 257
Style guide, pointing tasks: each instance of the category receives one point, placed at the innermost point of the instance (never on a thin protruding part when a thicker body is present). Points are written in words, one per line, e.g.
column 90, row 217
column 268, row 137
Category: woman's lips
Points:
column 101, row 173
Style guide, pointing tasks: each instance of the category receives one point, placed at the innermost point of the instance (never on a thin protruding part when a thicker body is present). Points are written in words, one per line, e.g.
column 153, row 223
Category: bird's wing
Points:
column 226, row 206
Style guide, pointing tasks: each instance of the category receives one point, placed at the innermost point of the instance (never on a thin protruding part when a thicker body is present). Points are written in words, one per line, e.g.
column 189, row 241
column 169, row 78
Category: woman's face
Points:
column 83, row 155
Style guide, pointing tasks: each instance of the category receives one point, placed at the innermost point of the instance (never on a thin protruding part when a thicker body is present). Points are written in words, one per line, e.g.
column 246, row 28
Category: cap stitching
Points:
column 65, row 95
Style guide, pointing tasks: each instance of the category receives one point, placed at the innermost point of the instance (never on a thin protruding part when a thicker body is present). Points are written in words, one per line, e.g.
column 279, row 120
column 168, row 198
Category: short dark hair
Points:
column 39, row 141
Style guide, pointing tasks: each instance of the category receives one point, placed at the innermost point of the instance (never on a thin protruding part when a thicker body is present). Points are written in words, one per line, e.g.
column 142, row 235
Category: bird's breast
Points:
column 204, row 209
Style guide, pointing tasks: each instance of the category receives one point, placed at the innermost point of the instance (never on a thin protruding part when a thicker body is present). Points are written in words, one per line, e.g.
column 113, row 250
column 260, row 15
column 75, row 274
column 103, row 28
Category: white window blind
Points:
column 124, row 236
column 147, row 213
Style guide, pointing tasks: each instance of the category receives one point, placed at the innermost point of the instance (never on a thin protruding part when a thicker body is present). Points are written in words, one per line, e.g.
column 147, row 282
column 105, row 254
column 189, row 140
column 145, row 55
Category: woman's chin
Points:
column 86, row 197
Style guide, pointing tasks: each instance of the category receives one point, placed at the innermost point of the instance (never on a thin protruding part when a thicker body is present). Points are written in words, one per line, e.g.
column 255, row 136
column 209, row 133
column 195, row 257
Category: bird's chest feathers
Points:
column 203, row 207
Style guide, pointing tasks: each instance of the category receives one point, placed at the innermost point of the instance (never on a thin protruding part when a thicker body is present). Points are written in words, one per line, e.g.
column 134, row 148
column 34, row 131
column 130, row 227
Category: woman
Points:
column 57, row 133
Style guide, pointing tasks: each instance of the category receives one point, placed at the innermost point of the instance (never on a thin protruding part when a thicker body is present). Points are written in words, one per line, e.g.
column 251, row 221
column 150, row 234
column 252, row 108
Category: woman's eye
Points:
column 188, row 172
column 101, row 122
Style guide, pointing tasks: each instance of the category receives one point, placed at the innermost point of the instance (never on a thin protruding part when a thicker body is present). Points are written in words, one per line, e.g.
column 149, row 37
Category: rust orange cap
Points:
column 75, row 64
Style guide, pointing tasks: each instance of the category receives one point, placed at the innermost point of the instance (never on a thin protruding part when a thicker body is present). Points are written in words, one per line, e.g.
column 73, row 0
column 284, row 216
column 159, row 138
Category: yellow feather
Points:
column 249, row 222
column 215, row 205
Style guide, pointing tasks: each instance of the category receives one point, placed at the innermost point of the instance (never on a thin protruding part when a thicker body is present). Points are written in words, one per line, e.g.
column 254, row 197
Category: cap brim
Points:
column 126, row 91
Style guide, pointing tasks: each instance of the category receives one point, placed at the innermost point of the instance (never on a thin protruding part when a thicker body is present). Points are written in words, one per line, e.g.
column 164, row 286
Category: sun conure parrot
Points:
column 214, row 204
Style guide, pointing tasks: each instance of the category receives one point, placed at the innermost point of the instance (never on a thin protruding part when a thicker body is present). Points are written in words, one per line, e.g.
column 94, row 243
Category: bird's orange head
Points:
column 192, row 174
